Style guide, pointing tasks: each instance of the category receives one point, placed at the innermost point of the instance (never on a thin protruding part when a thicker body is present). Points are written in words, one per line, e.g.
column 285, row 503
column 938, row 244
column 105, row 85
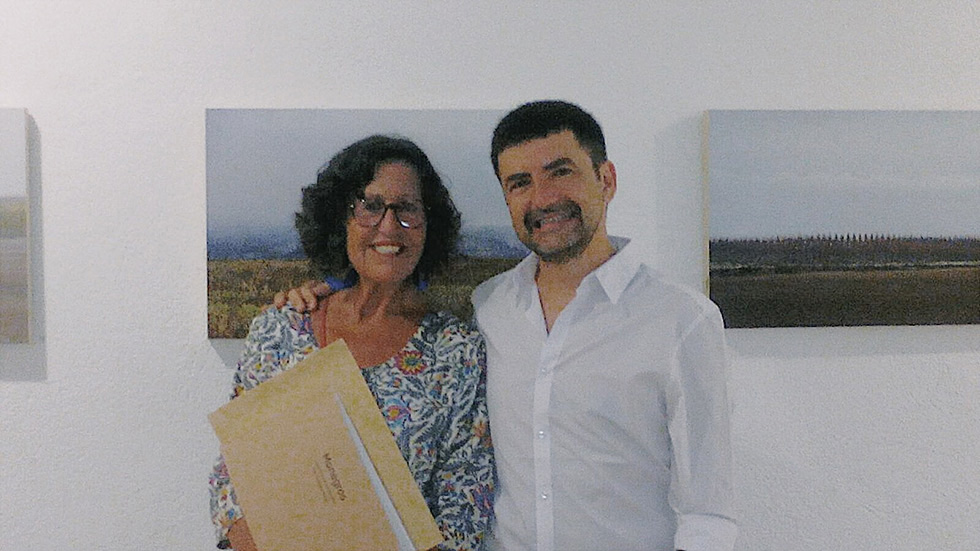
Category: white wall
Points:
column 857, row 438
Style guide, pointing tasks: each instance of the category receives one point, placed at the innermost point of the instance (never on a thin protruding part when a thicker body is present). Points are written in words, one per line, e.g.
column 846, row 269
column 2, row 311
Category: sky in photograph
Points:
column 13, row 153
column 259, row 159
column 803, row 173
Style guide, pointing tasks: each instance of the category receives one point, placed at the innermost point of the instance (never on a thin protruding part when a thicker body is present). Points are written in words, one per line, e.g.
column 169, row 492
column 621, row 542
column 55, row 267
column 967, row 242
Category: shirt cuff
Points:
column 705, row 533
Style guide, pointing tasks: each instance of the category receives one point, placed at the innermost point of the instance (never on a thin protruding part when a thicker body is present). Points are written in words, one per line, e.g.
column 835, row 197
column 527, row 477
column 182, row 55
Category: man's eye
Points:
column 374, row 206
column 517, row 184
column 563, row 171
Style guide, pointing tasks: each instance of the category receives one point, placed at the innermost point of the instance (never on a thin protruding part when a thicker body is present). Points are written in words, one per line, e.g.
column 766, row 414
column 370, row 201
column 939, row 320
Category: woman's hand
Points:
column 240, row 537
column 304, row 298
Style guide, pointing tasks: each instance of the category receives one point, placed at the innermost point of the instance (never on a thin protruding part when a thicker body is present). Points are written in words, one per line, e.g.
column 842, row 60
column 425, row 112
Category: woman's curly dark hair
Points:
column 322, row 219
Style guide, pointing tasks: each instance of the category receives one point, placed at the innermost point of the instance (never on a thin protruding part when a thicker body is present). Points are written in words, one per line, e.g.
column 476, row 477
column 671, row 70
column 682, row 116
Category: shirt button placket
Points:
column 542, row 445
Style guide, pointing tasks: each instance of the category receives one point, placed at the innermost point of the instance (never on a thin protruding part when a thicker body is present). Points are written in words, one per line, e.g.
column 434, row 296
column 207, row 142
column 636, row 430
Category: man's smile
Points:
column 554, row 214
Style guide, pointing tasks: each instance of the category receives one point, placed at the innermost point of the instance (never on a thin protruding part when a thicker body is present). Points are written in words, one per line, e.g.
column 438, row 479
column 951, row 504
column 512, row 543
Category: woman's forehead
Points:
column 396, row 178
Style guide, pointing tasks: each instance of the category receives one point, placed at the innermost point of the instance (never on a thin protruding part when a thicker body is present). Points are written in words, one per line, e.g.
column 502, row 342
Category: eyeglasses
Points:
column 369, row 212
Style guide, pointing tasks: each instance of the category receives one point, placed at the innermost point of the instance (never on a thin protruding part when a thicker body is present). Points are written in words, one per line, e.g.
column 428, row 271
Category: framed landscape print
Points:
column 842, row 218
column 15, row 288
column 258, row 160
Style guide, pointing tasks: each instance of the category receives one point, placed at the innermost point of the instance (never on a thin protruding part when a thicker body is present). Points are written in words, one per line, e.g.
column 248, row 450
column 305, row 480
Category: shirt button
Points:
column 540, row 434
column 544, row 370
column 544, row 496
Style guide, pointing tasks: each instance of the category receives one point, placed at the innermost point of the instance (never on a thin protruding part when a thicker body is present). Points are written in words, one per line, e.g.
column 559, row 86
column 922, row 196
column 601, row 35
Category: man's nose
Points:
column 544, row 192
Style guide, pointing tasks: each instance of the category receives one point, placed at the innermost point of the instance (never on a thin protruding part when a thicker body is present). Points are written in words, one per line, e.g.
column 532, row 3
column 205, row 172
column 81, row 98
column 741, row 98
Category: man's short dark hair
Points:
column 540, row 119
column 322, row 220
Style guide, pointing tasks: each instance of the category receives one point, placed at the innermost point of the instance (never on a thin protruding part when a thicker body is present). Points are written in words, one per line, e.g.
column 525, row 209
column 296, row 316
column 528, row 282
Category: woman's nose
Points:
column 389, row 221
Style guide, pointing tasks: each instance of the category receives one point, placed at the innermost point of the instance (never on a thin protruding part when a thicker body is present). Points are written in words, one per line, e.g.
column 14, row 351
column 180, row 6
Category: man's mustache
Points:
column 566, row 209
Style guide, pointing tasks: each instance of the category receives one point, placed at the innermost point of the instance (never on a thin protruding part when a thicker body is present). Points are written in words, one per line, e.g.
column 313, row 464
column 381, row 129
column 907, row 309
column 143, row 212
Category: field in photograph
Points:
column 924, row 296
column 845, row 281
column 239, row 289
column 14, row 303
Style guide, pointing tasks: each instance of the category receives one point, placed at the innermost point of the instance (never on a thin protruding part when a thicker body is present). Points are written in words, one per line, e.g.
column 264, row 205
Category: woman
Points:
column 379, row 217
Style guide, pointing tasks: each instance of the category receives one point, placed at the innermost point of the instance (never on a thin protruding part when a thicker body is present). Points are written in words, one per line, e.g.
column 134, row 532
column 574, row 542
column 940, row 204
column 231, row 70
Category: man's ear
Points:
column 607, row 176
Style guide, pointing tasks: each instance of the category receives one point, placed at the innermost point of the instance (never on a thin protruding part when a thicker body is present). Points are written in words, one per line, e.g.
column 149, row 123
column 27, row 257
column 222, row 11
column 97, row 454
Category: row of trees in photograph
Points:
column 850, row 251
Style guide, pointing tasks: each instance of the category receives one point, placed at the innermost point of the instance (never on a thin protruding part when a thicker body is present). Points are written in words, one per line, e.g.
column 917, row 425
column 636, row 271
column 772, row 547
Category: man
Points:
column 606, row 384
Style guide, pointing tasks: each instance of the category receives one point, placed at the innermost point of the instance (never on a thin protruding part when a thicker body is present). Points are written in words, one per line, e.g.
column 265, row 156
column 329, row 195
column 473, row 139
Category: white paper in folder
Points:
column 394, row 520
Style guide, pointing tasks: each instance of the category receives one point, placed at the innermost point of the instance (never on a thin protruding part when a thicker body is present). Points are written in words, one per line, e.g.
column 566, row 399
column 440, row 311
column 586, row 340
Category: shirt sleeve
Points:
column 464, row 475
column 262, row 358
column 224, row 506
column 701, row 490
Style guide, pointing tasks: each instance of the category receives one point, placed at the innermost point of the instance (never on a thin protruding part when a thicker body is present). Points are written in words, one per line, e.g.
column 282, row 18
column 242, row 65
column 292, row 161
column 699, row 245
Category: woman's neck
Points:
column 375, row 320
column 370, row 301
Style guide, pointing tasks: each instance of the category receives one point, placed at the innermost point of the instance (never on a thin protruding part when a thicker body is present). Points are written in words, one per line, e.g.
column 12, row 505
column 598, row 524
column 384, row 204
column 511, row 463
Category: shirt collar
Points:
column 613, row 276
column 523, row 279
column 617, row 272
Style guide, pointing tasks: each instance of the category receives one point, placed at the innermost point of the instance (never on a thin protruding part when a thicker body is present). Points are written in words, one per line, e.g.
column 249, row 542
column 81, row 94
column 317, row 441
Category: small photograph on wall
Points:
column 844, row 218
column 258, row 161
column 15, row 304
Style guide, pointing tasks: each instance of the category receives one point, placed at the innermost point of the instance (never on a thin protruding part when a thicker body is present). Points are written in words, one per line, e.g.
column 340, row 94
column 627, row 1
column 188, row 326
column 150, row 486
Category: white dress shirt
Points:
column 612, row 430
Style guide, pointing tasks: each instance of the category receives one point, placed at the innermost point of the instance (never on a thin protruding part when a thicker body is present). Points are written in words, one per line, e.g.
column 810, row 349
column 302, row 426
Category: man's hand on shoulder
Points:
column 304, row 298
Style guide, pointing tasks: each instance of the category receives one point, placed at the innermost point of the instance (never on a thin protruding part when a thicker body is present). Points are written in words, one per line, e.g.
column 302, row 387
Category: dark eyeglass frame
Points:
column 370, row 219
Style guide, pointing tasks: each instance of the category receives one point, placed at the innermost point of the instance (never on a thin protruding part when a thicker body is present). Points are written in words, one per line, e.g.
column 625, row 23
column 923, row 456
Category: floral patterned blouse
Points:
column 432, row 394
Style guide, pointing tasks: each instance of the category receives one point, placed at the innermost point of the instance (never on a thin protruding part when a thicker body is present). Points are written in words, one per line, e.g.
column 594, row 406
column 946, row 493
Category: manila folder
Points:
column 296, row 469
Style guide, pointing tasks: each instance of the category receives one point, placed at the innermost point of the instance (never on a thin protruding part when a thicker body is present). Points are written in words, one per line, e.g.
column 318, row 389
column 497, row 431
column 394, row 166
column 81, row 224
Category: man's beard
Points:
column 580, row 238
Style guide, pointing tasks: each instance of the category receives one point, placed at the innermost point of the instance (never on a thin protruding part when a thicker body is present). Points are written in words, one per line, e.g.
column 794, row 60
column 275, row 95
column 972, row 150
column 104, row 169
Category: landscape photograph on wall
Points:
column 14, row 258
column 258, row 161
column 843, row 218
